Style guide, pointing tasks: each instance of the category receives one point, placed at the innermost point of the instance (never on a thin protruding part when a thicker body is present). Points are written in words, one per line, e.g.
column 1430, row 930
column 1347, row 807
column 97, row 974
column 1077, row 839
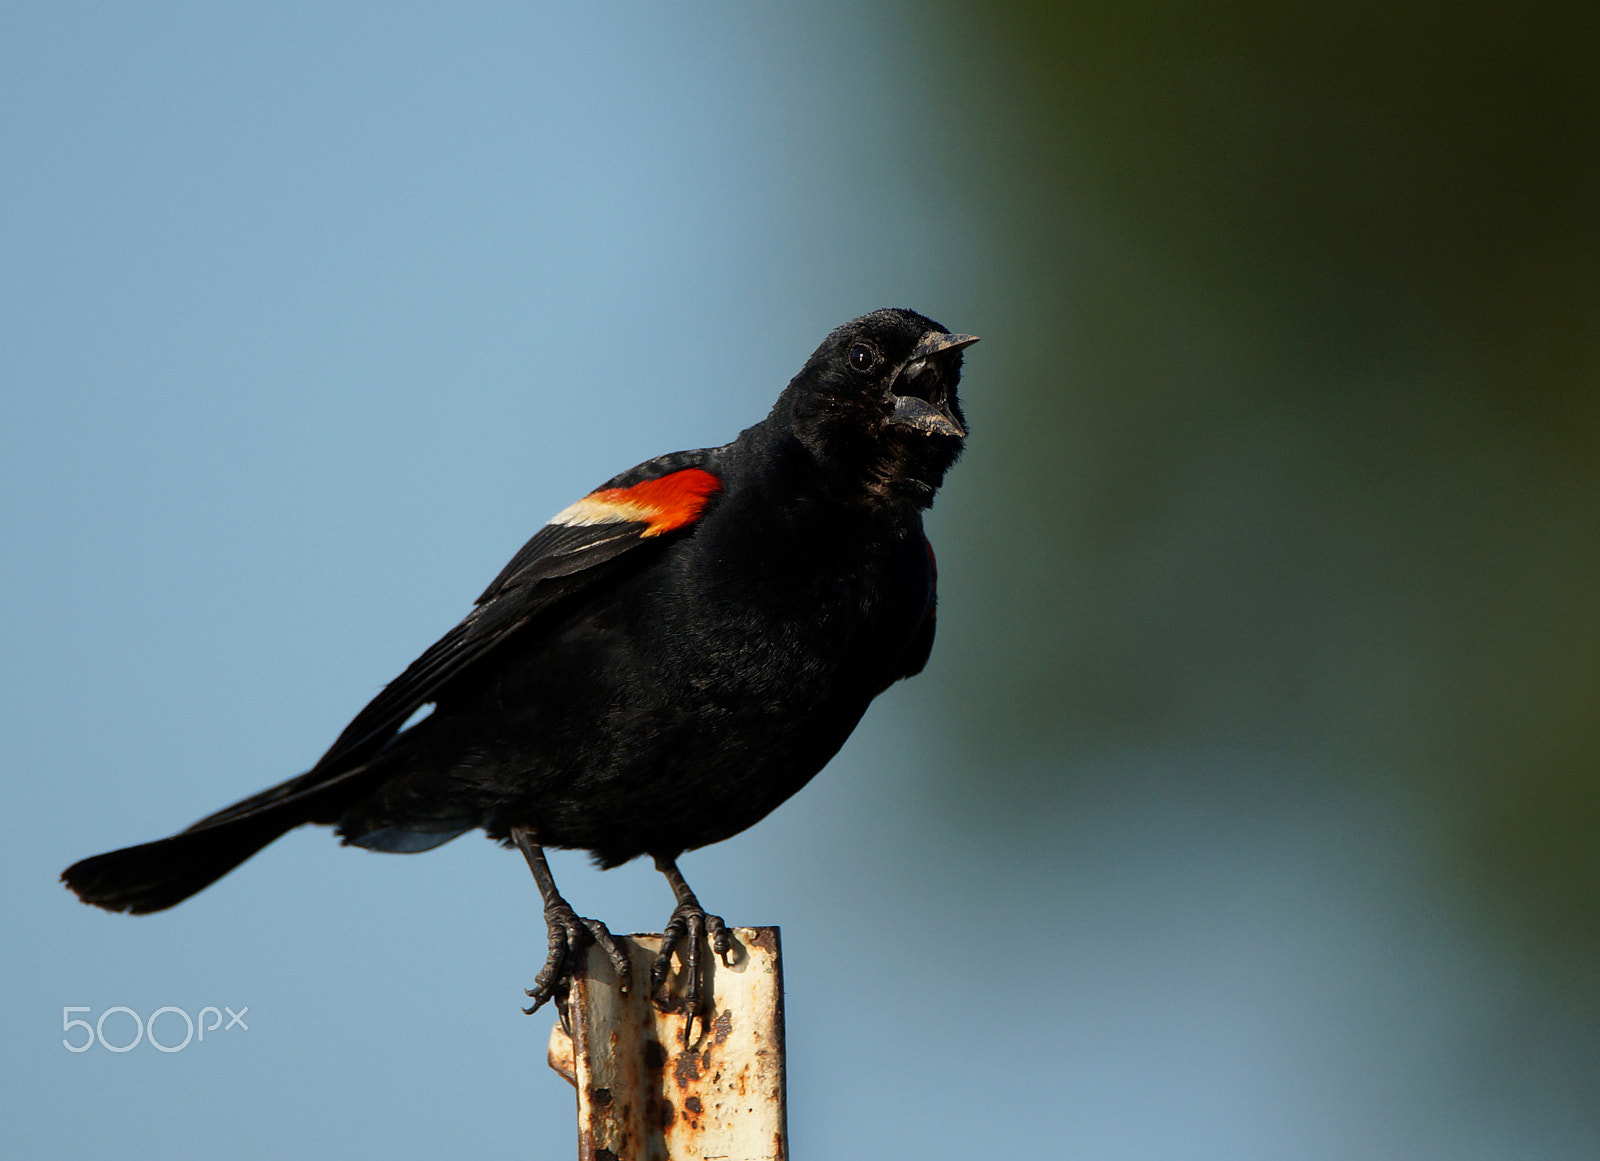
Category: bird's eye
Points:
column 863, row 357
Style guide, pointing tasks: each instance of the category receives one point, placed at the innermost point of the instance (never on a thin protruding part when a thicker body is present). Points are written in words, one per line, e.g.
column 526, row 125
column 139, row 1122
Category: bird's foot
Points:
column 687, row 933
column 570, row 936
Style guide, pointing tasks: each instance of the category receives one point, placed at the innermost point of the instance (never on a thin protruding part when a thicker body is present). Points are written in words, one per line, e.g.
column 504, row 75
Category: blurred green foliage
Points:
column 1288, row 428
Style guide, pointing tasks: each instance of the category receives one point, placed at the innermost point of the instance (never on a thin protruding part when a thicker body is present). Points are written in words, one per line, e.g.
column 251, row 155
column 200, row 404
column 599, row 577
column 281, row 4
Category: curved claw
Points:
column 570, row 936
column 686, row 929
column 686, row 934
column 615, row 952
column 721, row 940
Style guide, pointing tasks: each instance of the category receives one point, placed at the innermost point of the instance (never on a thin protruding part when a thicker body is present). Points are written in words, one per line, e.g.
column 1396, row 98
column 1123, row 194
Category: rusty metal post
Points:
column 643, row 1095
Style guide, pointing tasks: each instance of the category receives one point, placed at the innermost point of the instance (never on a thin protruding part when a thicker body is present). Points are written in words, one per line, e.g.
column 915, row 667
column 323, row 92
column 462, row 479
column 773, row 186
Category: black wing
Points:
column 649, row 505
column 664, row 496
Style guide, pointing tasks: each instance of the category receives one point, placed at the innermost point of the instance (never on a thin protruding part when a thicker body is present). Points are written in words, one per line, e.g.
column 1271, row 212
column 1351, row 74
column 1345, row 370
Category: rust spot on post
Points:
column 687, row 1069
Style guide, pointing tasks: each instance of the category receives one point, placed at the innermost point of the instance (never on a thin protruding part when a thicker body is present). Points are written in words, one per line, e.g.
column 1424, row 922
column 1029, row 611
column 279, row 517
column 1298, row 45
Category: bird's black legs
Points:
column 689, row 925
column 686, row 933
column 570, row 933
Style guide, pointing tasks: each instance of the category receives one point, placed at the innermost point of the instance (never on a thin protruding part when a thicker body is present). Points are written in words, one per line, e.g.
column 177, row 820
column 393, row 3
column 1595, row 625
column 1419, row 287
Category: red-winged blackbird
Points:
column 658, row 668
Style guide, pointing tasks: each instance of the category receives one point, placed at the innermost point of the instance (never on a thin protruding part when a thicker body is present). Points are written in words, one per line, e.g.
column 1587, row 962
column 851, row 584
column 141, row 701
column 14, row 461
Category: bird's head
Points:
column 876, row 403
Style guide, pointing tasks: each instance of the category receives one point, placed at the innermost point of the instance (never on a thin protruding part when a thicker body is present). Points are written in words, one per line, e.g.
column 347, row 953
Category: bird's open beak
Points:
column 920, row 399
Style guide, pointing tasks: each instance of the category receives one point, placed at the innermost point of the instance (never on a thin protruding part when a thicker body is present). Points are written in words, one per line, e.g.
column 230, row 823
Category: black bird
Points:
column 658, row 668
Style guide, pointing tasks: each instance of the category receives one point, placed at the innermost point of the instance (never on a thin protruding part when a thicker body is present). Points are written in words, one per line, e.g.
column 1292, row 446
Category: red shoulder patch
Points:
column 662, row 505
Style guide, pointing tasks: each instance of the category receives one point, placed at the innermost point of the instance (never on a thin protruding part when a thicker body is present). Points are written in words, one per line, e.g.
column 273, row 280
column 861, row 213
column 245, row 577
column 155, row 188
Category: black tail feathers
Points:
column 155, row 876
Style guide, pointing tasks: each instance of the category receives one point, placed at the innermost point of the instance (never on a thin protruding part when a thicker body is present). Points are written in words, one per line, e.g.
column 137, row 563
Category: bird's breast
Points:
column 812, row 615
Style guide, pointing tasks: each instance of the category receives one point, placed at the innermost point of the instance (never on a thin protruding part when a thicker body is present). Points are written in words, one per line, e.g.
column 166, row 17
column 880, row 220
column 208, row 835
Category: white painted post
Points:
column 643, row 1095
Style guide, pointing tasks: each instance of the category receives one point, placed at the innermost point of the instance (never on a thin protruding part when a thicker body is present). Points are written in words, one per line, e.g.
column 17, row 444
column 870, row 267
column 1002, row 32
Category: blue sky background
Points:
column 309, row 316
column 312, row 316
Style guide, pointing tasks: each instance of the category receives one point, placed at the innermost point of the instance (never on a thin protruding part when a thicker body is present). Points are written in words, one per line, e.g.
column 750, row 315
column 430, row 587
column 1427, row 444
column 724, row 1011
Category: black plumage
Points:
column 659, row 667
